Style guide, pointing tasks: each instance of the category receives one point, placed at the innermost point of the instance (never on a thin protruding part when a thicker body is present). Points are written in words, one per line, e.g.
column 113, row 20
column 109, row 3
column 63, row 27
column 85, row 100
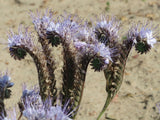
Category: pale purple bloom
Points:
column 80, row 45
column 36, row 109
column 22, row 38
column 42, row 22
column 53, row 27
column 5, row 81
column 84, row 41
column 65, row 26
column 103, row 51
column 5, row 92
column 69, row 27
column 109, row 27
column 58, row 113
column 150, row 39
column 143, row 32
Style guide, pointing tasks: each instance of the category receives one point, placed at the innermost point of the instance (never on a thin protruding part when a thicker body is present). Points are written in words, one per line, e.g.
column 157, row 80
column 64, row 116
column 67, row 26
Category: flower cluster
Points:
column 82, row 44
column 107, row 29
column 73, row 30
column 35, row 109
column 23, row 39
column 143, row 36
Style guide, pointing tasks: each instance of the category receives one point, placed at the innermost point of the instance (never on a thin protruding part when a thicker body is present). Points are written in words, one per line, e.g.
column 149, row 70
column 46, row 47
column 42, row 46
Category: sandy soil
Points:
column 140, row 91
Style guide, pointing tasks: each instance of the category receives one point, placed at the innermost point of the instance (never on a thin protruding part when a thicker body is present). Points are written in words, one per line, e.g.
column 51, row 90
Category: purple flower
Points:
column 43, row 22
column 104, row 52
column 58, row 113
column 69, row 27
column 143, row 32
column 64, row 26
column 22, row 38
column 85, row 43
column 5, row 81
column 106, row 29
column 34, row 108
column 5, row 84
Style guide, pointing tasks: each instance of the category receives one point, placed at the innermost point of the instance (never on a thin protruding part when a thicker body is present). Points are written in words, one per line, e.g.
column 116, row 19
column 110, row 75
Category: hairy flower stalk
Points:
column 42, row 24
column 35, row 109
column 115, row 71
column 87, row 48
column 22, row 43
column 69, row 63
column 81, row 44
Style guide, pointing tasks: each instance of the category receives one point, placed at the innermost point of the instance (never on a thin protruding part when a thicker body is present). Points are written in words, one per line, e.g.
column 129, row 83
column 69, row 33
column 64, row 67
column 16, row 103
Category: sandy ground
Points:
column 140, row 91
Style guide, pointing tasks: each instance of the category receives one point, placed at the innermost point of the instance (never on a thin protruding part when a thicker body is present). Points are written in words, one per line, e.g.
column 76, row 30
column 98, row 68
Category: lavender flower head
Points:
column 35, row 109
column 19, row 43
column 4, row 85
column 143, row 36
column 107, row 29
column 72, row 30
column 84, row 41
column 22, row 38
column 104, row 51
column 42, row 22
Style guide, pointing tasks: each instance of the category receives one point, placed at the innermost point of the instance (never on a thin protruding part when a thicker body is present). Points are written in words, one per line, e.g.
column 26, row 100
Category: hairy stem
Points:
column 40, row 69
column 69, row 71
column 114, row 74
column 50, row 68
column 80, row 81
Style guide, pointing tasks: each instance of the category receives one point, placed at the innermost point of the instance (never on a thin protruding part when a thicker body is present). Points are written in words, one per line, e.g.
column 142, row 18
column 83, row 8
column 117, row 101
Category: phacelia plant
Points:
column 98, row 45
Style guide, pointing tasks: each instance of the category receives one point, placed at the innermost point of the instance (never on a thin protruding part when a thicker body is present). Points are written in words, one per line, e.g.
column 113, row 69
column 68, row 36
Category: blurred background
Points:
column 140, row 92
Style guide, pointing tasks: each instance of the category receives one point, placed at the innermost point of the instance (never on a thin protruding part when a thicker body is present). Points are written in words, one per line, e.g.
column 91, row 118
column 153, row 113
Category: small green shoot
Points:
column 107, row 6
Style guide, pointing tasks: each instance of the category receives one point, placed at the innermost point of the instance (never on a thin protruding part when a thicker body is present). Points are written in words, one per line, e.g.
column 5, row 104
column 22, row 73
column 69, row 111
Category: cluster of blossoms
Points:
column 23, row 39
column 32, row 107
column 82, row 44
column 35, row 109
column 72, row 30
column 143, row 36
column 86, row 40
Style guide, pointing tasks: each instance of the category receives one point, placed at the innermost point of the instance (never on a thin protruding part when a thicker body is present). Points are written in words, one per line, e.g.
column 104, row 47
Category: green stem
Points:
column 114, row 74
column 107, row 102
